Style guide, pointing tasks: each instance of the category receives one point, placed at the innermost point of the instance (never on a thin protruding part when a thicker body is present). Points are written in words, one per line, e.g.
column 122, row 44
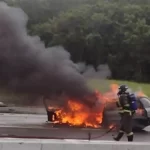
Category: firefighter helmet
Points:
column 122, row 89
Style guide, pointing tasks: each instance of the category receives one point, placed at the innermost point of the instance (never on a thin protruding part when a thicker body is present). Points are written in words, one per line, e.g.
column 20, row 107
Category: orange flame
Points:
column 109, row 96
column 111, row 126
column 78, row 114
column 139, row 111
column 140, row 93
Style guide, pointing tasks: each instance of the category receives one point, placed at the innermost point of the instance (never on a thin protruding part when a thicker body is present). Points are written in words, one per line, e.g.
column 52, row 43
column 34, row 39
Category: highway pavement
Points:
column 35, row 126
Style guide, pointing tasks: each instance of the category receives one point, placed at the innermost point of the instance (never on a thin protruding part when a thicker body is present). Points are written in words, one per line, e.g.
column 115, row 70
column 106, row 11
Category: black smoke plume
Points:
column 26, row 66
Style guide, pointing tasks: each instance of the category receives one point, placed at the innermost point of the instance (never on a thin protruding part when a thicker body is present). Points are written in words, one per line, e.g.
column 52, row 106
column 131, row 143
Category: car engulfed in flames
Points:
column 80, row 115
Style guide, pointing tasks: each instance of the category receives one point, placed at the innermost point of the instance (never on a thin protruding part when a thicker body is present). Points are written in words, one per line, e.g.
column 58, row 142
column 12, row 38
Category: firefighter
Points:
column 127, row 106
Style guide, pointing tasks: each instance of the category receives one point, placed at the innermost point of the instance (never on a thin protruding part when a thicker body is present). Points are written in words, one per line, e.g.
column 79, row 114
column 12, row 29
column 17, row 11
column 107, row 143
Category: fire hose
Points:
column 61, row 138
column 100, row 136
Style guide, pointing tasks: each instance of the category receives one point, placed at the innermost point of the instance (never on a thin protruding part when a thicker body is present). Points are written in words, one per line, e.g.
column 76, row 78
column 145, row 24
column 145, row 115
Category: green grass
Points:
column 103, row 85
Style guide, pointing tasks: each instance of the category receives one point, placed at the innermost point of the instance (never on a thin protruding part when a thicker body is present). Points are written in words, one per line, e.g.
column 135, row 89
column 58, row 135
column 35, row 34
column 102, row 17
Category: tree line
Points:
column 113, row 32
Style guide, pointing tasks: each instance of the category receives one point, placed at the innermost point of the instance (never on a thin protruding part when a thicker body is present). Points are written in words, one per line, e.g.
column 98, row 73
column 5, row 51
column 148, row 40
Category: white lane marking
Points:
column 66, row 141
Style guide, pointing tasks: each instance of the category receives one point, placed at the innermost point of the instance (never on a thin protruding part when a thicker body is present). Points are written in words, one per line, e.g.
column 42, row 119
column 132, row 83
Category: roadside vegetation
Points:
column 116, row 33
column 104, row 85
column 96, row 32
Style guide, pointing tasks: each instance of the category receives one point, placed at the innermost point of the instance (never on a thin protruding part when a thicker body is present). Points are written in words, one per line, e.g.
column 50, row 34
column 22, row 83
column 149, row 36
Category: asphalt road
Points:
column 23, row 110
column 34, row 126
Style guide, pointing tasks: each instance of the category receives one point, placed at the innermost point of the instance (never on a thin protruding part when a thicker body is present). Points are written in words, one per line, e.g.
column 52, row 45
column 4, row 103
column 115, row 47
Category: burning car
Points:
column 76, row 114
column 105, row 114
column 141, row 118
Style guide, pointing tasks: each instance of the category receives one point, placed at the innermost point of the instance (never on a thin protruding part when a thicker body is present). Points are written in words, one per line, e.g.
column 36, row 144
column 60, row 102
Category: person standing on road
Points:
column 127, row 106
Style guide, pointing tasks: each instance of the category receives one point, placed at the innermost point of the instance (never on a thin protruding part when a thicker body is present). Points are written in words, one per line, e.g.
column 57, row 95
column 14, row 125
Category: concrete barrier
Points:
column 37, row 144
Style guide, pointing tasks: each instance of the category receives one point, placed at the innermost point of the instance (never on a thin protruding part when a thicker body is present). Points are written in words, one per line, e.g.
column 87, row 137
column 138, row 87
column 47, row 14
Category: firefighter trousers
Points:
column 126, row 127
column 126, row 123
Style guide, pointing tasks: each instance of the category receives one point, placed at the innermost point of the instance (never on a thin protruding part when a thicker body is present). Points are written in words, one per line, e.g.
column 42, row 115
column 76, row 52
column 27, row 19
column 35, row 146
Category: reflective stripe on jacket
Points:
column 124, row 109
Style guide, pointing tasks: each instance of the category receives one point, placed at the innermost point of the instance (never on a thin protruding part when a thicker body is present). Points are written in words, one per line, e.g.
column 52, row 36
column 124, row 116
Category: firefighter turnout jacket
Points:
column 124, row 104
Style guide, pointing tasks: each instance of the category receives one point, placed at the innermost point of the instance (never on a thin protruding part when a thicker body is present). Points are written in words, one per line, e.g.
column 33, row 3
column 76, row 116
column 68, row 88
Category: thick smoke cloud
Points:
column 103, row 71
column 26, row 66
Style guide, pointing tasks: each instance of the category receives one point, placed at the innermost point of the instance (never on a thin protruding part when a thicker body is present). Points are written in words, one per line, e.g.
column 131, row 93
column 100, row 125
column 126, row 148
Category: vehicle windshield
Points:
column 145, row 101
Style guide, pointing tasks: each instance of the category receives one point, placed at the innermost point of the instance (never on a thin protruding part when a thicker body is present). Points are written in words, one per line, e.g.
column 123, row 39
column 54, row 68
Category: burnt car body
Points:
column 112, row 117
column 141, row 119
